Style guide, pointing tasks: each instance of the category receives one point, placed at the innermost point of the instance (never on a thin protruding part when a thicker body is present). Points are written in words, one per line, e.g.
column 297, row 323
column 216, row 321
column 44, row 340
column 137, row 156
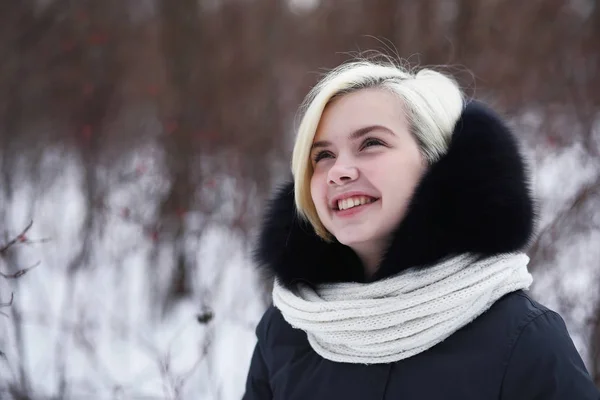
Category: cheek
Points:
column 400, row 186
column 316, row 190
column 318, row 193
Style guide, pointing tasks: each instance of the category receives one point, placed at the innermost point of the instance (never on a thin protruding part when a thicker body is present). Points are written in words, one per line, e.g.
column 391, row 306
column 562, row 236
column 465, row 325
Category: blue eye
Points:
column 371, row 142
column 321, row 155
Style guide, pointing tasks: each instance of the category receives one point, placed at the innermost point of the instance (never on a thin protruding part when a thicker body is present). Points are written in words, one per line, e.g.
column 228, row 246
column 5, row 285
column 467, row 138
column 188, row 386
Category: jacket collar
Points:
column 476, row 199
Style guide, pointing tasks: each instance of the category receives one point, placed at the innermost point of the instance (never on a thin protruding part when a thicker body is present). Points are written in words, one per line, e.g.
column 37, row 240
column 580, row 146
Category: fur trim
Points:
column 475, row 199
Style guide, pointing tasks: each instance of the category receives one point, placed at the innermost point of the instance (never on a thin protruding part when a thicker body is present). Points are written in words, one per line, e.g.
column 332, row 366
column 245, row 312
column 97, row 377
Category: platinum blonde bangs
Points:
column 433, row 104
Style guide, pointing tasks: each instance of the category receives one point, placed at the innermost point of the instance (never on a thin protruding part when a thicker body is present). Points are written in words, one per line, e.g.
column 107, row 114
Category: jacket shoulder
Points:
column 273, row 330
column 520, row 306
column 504, row 321
column 542, row 361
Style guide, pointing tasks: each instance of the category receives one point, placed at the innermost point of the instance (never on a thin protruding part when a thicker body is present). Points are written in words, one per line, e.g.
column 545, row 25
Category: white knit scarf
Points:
column 398, row 317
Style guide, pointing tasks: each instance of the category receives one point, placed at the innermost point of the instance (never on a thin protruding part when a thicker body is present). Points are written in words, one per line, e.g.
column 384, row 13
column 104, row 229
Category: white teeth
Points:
column 353, row 202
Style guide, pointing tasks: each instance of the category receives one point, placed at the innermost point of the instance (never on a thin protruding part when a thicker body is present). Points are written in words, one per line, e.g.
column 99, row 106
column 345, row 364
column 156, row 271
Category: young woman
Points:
column 396, row 253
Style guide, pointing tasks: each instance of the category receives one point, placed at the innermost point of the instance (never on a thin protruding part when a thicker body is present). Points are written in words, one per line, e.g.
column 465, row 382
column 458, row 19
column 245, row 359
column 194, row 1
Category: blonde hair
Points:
column 432, row 101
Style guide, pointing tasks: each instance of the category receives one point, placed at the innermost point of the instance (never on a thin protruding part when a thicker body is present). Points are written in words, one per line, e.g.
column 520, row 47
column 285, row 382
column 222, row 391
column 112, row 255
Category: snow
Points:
column 98, row 329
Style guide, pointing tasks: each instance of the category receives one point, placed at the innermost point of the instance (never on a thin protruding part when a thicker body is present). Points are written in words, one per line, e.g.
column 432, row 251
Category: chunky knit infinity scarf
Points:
column 396, row 318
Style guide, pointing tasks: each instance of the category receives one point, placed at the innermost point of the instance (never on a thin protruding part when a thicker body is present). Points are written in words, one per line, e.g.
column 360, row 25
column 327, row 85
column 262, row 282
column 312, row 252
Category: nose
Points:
column 341, row 173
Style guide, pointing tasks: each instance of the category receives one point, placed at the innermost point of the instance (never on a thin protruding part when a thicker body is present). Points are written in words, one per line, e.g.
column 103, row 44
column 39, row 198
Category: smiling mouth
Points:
column 353, row 202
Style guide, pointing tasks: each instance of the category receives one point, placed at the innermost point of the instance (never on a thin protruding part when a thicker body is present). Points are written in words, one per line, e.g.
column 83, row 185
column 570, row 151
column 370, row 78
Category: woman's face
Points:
column 366, row 166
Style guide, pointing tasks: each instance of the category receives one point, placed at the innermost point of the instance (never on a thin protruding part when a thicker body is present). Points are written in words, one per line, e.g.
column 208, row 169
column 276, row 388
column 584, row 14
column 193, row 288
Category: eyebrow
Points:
column 357, row 134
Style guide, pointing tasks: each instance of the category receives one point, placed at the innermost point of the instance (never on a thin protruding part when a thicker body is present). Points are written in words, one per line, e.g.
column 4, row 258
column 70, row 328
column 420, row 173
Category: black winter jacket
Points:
column 474, row 199
column 517, row 350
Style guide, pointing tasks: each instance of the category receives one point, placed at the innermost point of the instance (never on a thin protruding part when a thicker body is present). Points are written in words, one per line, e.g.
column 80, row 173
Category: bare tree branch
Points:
column 16, row 239
column 542, row 252
column 9, row 303
column 20, row 272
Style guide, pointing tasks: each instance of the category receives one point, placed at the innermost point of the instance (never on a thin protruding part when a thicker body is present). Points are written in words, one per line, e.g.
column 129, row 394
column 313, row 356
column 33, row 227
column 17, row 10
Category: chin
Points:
column 352, row 236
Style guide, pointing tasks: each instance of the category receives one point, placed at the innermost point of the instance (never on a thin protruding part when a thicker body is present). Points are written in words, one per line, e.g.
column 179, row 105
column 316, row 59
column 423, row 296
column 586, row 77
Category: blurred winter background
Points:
column 140, row 138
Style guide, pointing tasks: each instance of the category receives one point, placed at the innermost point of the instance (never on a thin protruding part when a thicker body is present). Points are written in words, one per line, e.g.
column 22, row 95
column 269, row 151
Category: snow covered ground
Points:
column 96, row 333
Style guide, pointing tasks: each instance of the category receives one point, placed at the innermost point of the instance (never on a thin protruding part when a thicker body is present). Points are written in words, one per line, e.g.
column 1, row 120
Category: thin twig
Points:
column 20, row 272
column 12, row 297
column 540, row 247
column 4, row 248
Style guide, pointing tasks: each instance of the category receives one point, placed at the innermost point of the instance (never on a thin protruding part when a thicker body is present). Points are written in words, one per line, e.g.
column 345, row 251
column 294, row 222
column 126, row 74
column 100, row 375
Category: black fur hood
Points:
column 475, row 199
